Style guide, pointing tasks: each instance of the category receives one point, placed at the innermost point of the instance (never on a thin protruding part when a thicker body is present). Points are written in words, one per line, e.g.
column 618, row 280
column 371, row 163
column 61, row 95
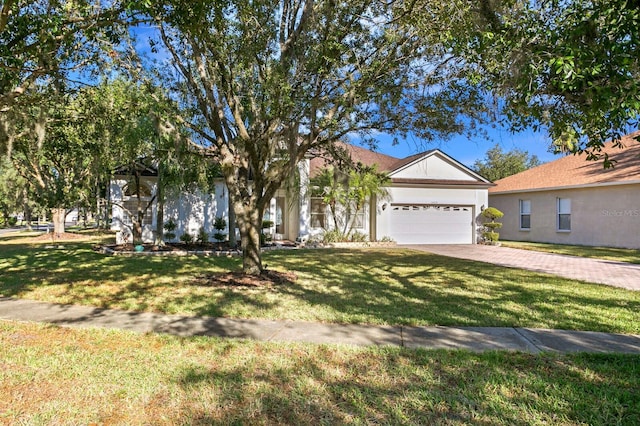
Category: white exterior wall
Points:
column 119, row 217
column 477, row 199
column 434, row 167
column 304, row 219
column 191, row 211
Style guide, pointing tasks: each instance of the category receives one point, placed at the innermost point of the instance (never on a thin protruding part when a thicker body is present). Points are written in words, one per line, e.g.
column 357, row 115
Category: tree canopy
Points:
column 261, row 84
column 264, row 83
column 570, row 67
column 498, row 164
column 56, row 42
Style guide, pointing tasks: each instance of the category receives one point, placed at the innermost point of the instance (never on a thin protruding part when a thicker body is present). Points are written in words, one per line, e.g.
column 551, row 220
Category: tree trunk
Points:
column 27, row 217
column 159, row 237
column 137, row 226
column 27, row 208
column 58, row 215
column 232, row 226
column 249, row 222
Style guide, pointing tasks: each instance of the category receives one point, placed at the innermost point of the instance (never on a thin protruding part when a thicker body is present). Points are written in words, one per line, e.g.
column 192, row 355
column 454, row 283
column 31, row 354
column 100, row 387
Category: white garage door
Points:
column 431, row 224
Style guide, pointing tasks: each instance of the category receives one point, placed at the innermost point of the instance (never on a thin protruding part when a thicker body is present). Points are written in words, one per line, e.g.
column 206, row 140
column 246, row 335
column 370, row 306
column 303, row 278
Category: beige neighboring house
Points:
column 574, row 201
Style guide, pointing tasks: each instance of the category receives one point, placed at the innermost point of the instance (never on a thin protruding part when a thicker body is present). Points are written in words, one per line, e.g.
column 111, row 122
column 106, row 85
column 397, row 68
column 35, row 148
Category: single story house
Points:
column 575, row 201
column 432, row 199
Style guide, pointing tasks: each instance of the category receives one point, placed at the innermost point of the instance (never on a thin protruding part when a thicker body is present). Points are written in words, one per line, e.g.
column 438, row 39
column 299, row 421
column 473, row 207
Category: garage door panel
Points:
column 419, row 224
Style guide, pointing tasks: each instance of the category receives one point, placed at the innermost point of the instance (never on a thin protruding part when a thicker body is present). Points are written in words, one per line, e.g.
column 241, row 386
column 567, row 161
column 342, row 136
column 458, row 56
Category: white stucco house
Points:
column 575, row 201
column 432, row 199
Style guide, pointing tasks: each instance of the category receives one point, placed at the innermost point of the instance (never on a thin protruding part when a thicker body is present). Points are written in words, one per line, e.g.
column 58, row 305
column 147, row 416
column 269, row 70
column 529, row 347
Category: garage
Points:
column 431, row 224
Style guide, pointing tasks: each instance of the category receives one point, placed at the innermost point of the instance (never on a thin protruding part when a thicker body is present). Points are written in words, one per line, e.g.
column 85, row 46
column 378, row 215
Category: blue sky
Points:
column 461, row 148
column 467, row 151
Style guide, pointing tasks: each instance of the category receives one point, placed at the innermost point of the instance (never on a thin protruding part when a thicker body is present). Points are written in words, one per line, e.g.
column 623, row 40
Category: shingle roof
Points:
column 358, row 155
column 575, row 170
column 385, row 163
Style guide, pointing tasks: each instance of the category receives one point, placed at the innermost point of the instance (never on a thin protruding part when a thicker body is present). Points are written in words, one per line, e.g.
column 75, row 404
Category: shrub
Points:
column 386, row 239
column 490, row 234
column 264, row 238
column 358, row 237
column 203, row 237
column 186, row 238
column 169, row 226
column 12, row 221
column 220, row 223
column 492, row 213
column 333, row 236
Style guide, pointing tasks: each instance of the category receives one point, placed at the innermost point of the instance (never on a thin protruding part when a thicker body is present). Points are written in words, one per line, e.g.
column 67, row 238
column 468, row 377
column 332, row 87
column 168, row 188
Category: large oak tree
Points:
column 53, row 42
column 264, row 83
column 570, row 67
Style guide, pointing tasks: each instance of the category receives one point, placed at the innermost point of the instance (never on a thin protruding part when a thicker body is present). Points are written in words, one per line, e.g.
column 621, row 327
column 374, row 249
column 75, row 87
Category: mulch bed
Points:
column 64, row 236
column 168, row 247
column 268, row 278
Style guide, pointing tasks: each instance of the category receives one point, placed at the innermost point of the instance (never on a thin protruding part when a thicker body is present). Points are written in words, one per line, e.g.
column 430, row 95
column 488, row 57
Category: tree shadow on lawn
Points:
column 394, row 287
column 405, row 287
column 82, row 276
column 395, row 386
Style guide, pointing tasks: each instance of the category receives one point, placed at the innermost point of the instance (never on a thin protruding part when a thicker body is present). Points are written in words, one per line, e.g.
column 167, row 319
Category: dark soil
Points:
column 175, row 247
column 268, row 278
column 64, row 236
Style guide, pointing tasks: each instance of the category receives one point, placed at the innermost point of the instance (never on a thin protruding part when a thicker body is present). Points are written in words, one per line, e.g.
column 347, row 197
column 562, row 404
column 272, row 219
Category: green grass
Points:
column 606, row 253
column 337, row 286
column 52, row 375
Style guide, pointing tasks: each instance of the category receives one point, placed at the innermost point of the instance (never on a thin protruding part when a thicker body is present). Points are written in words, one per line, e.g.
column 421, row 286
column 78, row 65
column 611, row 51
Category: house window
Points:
column 131, row 190
column 564, row 214
column 318, row 212
column 525, row 214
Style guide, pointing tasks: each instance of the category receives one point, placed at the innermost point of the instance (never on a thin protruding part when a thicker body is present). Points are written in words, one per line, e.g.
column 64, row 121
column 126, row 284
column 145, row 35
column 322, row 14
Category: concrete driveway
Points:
column 617, row 274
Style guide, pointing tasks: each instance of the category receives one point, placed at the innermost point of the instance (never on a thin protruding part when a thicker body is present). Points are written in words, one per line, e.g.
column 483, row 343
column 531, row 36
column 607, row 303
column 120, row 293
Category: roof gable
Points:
column 575, row 170
column 435, row 165
column 429, row 167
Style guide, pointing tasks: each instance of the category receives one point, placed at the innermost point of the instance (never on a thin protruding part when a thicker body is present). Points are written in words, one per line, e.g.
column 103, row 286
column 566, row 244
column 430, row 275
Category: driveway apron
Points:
column 617, row 274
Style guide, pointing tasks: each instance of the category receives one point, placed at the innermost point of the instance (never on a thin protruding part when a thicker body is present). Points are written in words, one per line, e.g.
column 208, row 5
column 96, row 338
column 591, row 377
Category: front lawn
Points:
column 606, row 253
column 51, row 375
column 390, row 286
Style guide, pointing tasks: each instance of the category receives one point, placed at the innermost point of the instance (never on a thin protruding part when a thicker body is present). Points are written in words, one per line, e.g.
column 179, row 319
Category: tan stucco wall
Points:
column 600, row 216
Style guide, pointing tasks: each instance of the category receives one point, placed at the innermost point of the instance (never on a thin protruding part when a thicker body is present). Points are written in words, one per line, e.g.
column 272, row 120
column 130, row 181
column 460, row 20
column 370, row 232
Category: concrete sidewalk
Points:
column 616, row 274
column 470, row 338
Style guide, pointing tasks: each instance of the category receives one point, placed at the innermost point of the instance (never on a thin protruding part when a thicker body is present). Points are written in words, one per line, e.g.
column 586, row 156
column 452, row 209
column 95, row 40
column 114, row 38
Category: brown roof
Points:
column 576, row 170
column 385, row 163
column 358, row 155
